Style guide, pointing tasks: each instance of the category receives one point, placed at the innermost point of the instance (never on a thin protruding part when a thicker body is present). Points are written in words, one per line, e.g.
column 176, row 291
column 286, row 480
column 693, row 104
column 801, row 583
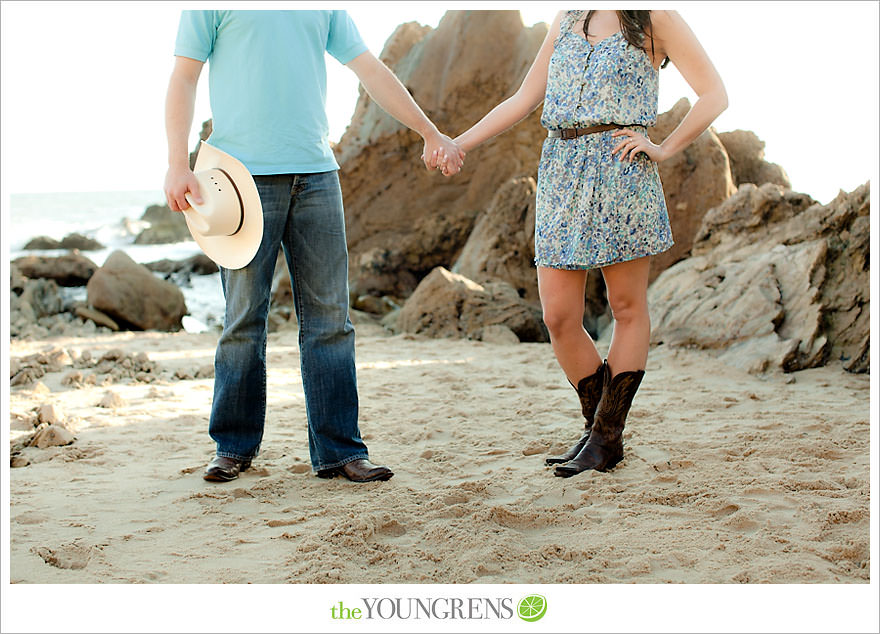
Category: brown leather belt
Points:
column 571, row 133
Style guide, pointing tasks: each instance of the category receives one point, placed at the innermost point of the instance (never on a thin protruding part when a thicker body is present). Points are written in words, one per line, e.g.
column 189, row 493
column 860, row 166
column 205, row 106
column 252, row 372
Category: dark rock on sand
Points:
column 131, row 295
column 72, row 269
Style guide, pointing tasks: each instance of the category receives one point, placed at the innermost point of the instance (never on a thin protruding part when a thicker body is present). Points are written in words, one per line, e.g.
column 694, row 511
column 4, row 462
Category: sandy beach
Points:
column 728, row 477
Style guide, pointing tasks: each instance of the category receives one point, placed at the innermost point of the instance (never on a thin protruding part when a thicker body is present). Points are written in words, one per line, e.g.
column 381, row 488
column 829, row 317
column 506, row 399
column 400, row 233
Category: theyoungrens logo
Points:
column 530, row 608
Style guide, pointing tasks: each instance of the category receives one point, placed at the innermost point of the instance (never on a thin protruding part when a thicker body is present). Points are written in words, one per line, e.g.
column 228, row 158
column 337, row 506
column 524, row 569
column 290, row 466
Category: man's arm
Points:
column 179, row 108
column 391, row 95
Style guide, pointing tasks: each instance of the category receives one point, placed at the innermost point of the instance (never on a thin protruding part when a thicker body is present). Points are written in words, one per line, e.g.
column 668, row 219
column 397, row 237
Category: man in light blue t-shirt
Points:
column 268, row 89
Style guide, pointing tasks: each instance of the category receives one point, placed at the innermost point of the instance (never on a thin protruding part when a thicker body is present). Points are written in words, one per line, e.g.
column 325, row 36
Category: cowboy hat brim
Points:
column 235, row 251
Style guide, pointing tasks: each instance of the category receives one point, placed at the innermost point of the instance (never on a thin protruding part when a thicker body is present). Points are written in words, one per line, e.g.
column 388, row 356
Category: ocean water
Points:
column 113, row 219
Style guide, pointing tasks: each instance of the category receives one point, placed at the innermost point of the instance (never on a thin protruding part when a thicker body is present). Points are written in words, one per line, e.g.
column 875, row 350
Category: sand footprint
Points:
column 391, row 528
column 724, row 511
column 455, row 498
column 67, row 556
column 536, row 447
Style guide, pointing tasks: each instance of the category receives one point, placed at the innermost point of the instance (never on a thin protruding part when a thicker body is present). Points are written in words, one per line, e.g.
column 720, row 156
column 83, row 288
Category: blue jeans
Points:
column 303, row 214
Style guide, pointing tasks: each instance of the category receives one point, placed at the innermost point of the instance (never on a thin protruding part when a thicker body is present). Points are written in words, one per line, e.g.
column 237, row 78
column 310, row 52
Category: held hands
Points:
column 635, row 142
column 178, row 182
column 443, row 154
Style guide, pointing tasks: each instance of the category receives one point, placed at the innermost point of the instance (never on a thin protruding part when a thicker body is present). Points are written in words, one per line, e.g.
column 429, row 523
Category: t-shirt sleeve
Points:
column 196, row 34
column 344, row 42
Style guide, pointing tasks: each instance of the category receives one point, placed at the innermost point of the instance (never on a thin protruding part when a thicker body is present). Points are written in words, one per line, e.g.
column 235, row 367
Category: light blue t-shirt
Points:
column 268, row 82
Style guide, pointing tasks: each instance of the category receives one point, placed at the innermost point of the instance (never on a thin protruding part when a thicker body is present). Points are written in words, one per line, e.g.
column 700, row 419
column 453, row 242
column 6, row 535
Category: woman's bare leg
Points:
column 562, row 299
column 626, row 285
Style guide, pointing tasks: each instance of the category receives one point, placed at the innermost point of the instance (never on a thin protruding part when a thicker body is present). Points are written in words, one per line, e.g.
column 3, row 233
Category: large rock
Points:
column 71, row 269
column 747, row 165
column 446, row 304
column 776, row 281
column 402, row 221
column 134, row 297
column 694, row 180
column 166, row 226
column 501, row 245
column 52, row 436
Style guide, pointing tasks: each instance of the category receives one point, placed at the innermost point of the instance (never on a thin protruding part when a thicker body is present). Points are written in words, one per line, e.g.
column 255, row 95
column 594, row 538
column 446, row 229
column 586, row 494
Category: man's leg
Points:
column 317, row 255
column 239, row 410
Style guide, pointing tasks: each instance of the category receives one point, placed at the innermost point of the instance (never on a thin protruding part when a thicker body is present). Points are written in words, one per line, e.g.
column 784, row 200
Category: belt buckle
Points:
column 569, row 133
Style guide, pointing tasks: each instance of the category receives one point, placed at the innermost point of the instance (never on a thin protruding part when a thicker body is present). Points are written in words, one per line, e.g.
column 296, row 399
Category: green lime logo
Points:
column 532, row 608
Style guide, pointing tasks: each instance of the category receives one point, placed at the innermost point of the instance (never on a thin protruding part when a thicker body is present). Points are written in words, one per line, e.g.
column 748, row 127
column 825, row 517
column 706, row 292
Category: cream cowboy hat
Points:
column 228, row 225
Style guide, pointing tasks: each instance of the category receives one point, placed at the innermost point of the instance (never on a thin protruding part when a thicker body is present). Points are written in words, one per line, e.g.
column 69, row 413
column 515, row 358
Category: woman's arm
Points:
column 679, row 43
column 517, row 107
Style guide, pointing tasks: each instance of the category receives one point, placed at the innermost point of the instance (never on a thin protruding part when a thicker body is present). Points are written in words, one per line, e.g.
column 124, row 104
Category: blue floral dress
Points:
column 592, row 208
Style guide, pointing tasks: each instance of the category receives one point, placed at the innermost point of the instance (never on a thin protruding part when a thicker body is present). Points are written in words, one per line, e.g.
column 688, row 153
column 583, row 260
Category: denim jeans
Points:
column 303, row 214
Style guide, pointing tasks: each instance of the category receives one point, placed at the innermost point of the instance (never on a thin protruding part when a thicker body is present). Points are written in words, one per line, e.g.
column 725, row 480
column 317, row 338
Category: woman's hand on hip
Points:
column 633, row 142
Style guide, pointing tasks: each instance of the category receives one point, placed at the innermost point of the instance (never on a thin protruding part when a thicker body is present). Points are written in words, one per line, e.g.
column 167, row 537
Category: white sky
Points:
column 83, row 85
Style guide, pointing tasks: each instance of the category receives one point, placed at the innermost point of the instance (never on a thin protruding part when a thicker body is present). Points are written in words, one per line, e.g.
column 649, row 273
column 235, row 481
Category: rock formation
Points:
column 501, row 245
column 72, row 269
column 776, row 281
column 694, row 180
column 38, row 298
column 71, row 241
column 402, row 221
column 747, row 165
column 449, row 305
column 134, row 297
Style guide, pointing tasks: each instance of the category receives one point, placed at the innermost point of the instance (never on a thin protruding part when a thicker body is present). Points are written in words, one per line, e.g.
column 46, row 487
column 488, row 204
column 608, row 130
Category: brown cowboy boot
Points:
column 604, row 447
column 589, row 390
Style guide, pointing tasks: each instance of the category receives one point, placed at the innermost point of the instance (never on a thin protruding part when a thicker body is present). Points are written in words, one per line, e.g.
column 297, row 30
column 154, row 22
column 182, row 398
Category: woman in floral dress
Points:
column 600, row 203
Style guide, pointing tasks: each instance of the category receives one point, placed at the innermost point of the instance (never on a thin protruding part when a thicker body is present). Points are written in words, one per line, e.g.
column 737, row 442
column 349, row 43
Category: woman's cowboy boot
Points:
column 589, row 390
column 604, row 447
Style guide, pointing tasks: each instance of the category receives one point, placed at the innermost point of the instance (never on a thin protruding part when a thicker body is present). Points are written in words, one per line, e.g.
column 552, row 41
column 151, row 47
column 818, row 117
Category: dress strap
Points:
column 568, row 20
column 566, row 23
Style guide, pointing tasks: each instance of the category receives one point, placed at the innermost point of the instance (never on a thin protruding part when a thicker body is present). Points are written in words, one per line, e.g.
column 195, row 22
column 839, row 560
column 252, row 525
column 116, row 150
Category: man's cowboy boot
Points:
column 589, row 390
column 604, row 447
